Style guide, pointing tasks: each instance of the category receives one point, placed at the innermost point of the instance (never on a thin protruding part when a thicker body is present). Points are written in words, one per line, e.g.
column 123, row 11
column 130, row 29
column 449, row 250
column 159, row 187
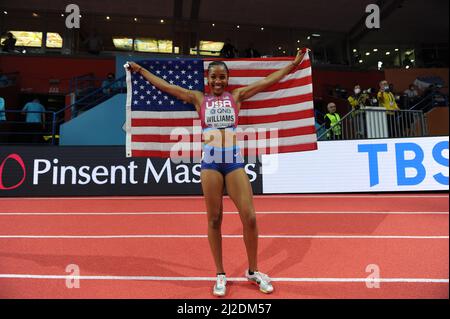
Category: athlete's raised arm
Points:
column 188, row 96
column 247, row 92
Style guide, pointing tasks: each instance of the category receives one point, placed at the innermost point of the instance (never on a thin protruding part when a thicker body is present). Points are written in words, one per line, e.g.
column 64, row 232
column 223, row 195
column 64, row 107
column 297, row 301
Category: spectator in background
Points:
column 9, row 45
column 332, row 120
column 34, row 111
column 392, row 90
column 386, row 99
column 411, row 95
column 251, row 52
column 228, row 51
column 412, row 92
column 358, row 100
column 4, row 81
column 94, row 43
column 2, row 109
column 110, row 85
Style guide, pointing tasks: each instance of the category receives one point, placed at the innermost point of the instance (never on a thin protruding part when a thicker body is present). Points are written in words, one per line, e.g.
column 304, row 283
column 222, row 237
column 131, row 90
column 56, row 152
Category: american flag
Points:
column 158, row 123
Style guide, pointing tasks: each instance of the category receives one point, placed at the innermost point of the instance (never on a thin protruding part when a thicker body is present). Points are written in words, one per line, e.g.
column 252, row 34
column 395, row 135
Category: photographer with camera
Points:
column 358, row 101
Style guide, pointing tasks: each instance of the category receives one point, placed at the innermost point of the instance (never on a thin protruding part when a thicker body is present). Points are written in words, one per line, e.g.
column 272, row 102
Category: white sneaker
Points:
column 220, row 288
column 260, row 279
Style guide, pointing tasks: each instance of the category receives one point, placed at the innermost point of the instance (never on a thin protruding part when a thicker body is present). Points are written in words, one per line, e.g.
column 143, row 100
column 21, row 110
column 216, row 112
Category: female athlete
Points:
column 222, row 164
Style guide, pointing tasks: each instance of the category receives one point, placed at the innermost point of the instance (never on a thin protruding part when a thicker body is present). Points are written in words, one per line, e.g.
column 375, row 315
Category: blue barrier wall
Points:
column 101, row 125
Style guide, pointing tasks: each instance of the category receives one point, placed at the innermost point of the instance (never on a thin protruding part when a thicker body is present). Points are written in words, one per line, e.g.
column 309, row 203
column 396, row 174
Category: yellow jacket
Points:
column 387, row 100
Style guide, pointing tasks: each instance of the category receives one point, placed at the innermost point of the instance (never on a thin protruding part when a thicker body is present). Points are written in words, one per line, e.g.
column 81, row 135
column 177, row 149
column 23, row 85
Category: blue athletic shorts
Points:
column 223, row 160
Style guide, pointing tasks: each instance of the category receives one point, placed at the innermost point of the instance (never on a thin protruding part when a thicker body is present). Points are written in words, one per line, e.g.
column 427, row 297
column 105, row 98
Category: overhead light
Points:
column 298, row 41
column 375, row 50
column 408, row 52
column 360, row 61
column 388, row 53
column 284, row 52
column 262, row 29
column 5, row 12
column 162, row 21
column 108, row 18
column 396, row 50
column 367, row 53
column 238, row 26
column 298, row 49
column 309, row 37
column 354, row 50
column 413, row 61
column 81, row 16
column 213, row 24
column 316, row 35
column 35, row 15
column 279, row 48
column 62, row 14
column 407, row 67
column 135, row 19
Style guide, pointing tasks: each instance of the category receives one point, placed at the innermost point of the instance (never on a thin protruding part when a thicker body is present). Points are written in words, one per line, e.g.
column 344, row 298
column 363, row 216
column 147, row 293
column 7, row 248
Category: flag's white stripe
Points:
column 128, row 115
column 252, row 143
column 168, row 130
column 165, row 147
column 164, row 115
column 241, row 80
column 243, row 113
column 283, row 93
column 277, row 110
column 254, row 65
column 282, row 125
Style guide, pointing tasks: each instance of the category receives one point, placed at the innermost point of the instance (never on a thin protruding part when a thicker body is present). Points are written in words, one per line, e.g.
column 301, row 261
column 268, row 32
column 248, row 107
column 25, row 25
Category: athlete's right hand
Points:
column 134, row 66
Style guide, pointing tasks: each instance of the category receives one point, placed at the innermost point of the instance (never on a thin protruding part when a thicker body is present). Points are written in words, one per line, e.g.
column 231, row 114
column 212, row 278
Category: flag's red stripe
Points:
column 246, row 120
column 281, row 149
column 156, row 138
column 278, row 86
column 298, row 131
column 246, row 152
column 264, row 119
column 277, row 102
column 162, row 122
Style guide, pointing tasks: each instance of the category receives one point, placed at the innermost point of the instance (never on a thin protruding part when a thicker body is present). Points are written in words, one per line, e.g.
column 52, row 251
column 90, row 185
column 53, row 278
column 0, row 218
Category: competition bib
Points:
column 219, row 114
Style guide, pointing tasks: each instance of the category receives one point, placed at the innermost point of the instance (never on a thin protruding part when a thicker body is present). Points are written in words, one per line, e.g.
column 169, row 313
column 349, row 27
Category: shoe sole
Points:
column 219, row 294
column 260, row 289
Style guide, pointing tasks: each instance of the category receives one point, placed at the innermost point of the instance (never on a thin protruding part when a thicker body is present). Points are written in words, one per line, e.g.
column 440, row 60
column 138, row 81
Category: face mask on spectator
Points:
column 357, row 91
column 386, row 88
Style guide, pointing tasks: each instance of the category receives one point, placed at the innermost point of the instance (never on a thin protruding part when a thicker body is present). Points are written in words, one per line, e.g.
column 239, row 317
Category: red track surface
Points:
column 302, row 267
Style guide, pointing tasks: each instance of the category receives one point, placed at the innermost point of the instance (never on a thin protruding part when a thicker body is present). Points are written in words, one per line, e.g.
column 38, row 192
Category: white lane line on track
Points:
column 224, row 236
column 225, row 213
column 158, row 278
column 296, row 196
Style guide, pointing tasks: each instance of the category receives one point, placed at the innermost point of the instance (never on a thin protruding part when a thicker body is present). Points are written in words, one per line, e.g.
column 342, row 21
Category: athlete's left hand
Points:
column 300, row 55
